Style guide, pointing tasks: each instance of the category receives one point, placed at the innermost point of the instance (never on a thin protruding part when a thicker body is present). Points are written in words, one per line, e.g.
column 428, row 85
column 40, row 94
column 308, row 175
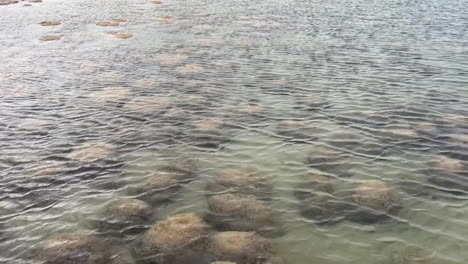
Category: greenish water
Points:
column 356, row 90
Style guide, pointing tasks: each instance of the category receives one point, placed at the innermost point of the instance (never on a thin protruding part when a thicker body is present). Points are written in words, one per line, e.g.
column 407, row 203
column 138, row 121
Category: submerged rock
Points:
column 130, row 210
column 249, row 108
column 108, row 23
column 240, row 213
column 374, row 194
column 92, row 152
column 49, row 38
column 156, row 2
column 447, row 163
column 50, row 23
column 110, row 94
column 8, row 2
column 208, row 124
column 403, row 132
column 324, row 208
column 314, row 182
column 456, row 119
column 148, row 103
column 175, row 235
column 242, row 181
column 35, row 125
column 190, row 68
column 375, row 202
column 120, row 254
column 166, row 22
column 72, row 248
column 46, row 171
column 318, row 202
column 171, row 59
column 241, row 247
column 123, row 35
column 185, row 169
column 158, row 187
column 329, row 161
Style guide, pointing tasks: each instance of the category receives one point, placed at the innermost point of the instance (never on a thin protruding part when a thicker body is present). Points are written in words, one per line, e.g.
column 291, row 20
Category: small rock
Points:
column 123, row 35
column 166, row 22
column 170, row 59
column 156, row 2
column 190, row 68
column 208, row 124
column 49, row 38
column 8, row 2
column 50, row 23
column 108, row 24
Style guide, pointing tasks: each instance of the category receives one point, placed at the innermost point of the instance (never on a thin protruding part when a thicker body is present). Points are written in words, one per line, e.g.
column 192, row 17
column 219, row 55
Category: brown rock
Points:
column 375, row 194
column 50, row 23
column 177, row 232
column 166, row 22
column 49, row 38
column 123, row 35
column 108, row 24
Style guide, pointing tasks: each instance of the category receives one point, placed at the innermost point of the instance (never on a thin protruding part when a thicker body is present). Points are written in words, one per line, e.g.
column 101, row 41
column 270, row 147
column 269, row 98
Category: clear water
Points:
column 383, row 85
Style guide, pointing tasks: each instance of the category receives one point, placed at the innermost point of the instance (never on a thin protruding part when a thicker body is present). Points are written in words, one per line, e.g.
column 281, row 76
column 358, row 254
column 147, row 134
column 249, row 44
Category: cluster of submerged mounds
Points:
column 50, row 24
column 187, row 238
column 115, row 23
column 238, row 200
column 369, row 202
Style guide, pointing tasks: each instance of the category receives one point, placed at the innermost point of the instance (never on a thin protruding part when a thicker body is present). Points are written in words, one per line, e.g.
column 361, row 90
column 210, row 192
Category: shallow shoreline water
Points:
column 356, row 92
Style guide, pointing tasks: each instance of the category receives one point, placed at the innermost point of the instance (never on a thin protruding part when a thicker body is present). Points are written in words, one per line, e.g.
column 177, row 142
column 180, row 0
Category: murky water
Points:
column 297, row 107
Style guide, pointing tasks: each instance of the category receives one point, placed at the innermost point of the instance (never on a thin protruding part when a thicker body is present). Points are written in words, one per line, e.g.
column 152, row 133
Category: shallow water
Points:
column 381, row 85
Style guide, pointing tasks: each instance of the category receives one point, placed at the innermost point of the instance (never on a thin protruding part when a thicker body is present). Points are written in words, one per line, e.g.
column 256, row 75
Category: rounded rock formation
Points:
column 240, row 213
column 110, row 94
column 158, row 187
column 130, row 210
column 241, row 181
column 374, row 194
column 177, row 232
column 190, row 68
column 148, row 103
column 123, row 35
column 447, row 163
column 49, row 38
column 72, row 248
column 241, row 247
column 50, row 23
column 92, row 152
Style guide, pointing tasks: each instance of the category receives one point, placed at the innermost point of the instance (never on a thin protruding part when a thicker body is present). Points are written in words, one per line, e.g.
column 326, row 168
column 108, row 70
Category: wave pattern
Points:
column 337, row 129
